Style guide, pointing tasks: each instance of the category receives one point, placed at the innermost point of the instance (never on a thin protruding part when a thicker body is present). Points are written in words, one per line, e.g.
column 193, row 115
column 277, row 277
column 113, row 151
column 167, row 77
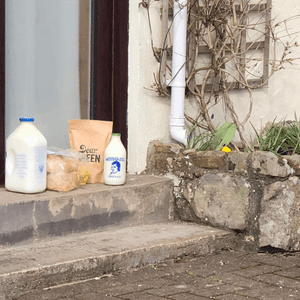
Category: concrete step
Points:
column 55, row 261
column 142, row 200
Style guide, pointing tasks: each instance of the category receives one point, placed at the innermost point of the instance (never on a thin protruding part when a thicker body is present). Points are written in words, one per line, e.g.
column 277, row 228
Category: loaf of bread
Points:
column 62, row 181
column 56, row 163
column 63, row 173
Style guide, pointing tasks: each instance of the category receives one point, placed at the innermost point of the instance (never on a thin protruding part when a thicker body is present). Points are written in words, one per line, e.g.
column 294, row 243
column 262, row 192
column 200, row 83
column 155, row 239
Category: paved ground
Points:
column 223, row 276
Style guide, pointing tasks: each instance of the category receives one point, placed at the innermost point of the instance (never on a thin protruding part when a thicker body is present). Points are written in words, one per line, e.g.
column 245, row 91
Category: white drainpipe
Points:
column 177, row 127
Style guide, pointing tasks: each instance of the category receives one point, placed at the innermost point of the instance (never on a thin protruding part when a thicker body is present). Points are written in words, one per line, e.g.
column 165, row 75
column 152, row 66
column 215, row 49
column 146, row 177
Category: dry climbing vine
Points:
column 220, row 28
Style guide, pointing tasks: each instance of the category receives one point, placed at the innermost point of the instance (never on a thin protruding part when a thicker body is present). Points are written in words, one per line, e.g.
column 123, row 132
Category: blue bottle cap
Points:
column 26, row 119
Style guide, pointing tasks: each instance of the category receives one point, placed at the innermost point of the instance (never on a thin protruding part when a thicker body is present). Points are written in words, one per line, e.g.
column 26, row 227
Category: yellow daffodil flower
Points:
column 226, row 149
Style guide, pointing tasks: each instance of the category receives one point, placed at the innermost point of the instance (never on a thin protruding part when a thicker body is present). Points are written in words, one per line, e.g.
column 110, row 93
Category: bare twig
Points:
column 220, row 28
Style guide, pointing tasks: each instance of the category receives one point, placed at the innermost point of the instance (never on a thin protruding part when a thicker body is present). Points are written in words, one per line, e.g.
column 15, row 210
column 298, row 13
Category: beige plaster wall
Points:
column 148, row 114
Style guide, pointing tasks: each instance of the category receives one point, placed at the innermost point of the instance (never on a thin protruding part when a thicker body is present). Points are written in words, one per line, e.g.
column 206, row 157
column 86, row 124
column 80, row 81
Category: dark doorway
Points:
column 110, row 63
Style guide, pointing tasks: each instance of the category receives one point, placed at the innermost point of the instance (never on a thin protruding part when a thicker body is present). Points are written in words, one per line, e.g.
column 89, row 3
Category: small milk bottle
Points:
column 26, row 157
column 115, row 161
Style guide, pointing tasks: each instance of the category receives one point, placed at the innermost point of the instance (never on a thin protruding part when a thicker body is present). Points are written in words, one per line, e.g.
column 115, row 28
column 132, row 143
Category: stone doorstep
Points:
column 76, row 257
column 144, row 199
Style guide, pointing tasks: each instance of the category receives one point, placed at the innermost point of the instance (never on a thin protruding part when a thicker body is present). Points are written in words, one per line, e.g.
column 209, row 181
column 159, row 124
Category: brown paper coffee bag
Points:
column 90, row 137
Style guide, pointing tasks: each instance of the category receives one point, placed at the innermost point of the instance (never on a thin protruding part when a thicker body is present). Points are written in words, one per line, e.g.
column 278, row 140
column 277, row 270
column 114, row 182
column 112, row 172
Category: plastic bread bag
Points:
column 66, row 169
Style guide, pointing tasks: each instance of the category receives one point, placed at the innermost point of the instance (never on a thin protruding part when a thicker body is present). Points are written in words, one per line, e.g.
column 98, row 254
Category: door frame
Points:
column 110, row 63
column 109, row 68
column 2, row 91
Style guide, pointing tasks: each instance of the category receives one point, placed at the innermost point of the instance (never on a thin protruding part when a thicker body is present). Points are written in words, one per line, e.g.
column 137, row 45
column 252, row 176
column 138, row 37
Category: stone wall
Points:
column 255, row 194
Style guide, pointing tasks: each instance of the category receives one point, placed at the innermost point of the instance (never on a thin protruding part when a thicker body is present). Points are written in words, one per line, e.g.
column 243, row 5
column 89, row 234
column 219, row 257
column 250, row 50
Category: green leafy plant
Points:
column 211, row 141
column 223, row 136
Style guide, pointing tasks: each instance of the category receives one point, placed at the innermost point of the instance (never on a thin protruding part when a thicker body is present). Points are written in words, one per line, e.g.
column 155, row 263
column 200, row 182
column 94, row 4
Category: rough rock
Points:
column 183, row 166
column 237, row 162
column 280, row 215
column 294, row 163
column 210, row 160
column 160, row 157
column 267, row 163
column 221, row 200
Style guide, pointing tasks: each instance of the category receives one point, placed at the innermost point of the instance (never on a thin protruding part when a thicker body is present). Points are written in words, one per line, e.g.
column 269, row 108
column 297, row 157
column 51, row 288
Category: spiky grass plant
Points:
column 281, row 138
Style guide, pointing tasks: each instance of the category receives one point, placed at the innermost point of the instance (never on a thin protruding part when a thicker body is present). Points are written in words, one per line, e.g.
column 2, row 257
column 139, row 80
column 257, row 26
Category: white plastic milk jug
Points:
column 115, row 161
column 26, row 157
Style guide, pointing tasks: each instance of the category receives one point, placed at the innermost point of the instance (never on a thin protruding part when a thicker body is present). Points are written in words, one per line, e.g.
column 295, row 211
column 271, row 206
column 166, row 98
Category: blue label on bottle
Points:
column 115, row 166
column 115, row 159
